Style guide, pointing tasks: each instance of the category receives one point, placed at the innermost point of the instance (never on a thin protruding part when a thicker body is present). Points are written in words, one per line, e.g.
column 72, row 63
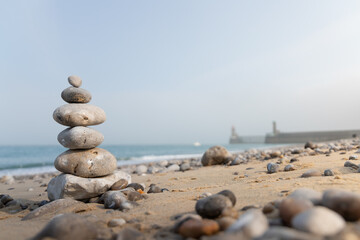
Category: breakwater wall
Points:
column 302, row 137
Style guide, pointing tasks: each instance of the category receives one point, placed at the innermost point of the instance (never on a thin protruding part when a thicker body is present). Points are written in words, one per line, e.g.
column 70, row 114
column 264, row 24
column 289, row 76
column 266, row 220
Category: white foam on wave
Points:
column 157, row 158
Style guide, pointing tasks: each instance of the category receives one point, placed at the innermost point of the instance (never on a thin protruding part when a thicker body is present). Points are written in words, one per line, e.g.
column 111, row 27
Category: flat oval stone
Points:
column 80, row 138
column 78, row 114
column 75, row 81
column 76, row 95
column 95, row 162
column 319, row 221
column 290, row 207
column 346, row 203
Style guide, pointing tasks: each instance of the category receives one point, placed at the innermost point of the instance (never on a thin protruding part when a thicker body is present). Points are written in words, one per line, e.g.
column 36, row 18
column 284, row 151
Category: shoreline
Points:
column 155, row 215
column 45, row 170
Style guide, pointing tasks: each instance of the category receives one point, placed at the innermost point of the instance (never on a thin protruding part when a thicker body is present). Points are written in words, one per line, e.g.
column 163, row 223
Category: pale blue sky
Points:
column 181, row 71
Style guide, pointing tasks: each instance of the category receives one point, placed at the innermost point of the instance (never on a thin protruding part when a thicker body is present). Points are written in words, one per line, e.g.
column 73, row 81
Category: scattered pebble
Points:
column 130, row 233
column 68, row 226
column 289, row 167
column 154, row 189
column 353, row 157
column 212, row 206
column 290, row 207
column 319, row 221
column 307, row 193
column 311, row 173
column 195, row 228
column 136, row 186
column 328, row 172
column 118, row 222
column 216, row 155
column 252, row 223
column 343, row 202
column 272, row 168
column 121, row 184
column 350, row 164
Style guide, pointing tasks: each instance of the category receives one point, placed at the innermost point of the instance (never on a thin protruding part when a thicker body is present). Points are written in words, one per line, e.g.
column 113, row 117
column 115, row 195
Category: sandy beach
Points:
column 154, row 216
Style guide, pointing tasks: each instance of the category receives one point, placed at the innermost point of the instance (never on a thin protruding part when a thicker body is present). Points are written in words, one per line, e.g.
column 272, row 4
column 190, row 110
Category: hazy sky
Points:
column 181, row 71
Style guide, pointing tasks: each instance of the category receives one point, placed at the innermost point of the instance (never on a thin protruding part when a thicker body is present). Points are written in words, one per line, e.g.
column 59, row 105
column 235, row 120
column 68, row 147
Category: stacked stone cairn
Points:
column 87, row 171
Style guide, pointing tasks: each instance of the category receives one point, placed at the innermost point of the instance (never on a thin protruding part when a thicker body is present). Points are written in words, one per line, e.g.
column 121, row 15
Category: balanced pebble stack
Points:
column 86, row 164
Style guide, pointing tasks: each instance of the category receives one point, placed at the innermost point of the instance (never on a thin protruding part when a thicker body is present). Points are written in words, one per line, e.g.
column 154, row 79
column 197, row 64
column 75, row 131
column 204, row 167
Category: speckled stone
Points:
column 80, row 138
column 77, row 114
column 76, row 95
column 94, row 162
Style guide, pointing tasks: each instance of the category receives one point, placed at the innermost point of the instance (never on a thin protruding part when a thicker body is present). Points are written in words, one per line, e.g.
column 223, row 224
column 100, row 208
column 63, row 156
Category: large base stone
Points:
column 70, row 186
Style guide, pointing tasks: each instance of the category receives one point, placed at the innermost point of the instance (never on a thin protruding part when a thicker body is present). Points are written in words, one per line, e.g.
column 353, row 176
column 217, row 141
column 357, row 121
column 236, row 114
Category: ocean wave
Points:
column 155, row 158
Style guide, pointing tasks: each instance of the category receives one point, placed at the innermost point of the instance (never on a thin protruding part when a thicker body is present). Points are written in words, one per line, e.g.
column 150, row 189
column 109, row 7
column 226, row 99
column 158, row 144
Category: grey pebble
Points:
column 289, row 167
column 77, row 114
column 212, row 206
column 76, row 95
column 80, row 138
column 328, row 172
column 272, row 167
column 75, row 81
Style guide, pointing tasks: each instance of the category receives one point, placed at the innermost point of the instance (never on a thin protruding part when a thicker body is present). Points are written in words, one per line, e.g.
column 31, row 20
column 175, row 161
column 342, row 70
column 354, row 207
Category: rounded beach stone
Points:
column 75, row 81
column 307, row 193
column 347, row 204
column 320, row 221
column 290, row 207
column 289, row 167
column 229, row 194
column 78, row 114
column 121, row 184
column 117, row 222
column 195, row 228
column 80, row 138
column 212, row 206
column 76, row 95
column 328, row 172
column 311, row 173
column 69, row 226
column 216, row 155
column 94, row 162
column 252, row 223
column 272, row 167
column 116, row 200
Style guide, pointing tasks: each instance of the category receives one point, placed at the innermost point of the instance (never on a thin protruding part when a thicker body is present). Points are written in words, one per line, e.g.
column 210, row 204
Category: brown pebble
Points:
column 268, row 208
column 290, row 207
column 194, row 228
column 121, row 184
column 225, row 222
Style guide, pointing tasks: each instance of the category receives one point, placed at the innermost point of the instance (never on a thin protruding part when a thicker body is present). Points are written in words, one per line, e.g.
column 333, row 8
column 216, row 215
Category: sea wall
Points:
column 302, row 137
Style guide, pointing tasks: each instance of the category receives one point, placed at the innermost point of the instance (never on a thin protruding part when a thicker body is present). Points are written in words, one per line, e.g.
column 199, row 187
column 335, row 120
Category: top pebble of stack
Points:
column 75, row 81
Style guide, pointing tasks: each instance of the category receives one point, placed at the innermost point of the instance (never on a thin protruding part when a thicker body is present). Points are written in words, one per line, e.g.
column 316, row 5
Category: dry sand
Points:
column 250, row 183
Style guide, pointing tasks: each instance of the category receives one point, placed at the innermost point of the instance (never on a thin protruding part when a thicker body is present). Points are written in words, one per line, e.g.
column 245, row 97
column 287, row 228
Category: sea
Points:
column 24, row 160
